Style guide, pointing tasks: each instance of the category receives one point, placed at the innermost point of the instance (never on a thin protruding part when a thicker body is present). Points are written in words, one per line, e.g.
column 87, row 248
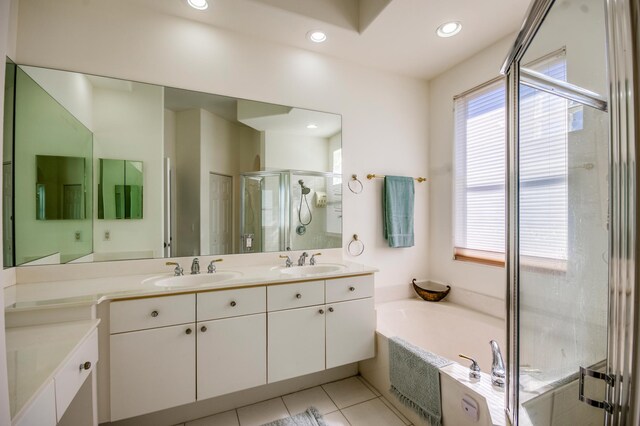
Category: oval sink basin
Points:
column 196, row 280
column 312, row 270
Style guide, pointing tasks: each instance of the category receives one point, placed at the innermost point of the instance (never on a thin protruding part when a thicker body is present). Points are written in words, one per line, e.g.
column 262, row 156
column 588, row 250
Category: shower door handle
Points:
column 604, row 405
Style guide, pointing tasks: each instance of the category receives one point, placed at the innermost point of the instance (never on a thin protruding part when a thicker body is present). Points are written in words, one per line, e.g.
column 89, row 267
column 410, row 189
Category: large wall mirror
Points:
column 97, row 169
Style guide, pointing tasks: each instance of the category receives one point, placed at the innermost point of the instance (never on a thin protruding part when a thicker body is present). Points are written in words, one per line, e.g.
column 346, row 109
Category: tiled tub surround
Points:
column 288, row 304
column 447, row 330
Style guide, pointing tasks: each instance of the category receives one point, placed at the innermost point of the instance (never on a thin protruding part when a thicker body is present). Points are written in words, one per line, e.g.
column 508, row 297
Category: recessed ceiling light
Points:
column 198, row 4
column 449, row 29
column 316, row 36
column 312, row 126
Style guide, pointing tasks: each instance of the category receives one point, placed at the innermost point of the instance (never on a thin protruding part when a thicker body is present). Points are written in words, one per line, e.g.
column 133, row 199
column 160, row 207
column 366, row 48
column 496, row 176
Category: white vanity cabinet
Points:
column 296, row 342
column 350, row 328
column 322, row 336
column 173, row 350
column 153, row 368
column 232, row 347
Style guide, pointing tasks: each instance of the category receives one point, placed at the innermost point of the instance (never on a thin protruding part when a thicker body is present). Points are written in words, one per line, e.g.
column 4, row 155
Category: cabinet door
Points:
column 350, row 332
column 296, row 342
column 152, row 370
column 232, row 355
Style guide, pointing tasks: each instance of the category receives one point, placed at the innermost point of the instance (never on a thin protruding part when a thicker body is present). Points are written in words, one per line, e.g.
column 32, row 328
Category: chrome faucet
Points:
column 313, row 260
column 212, row 266
column 287, row 263
column 178, row 269
column 303, row 258
column 195, row 266
column 498, row 371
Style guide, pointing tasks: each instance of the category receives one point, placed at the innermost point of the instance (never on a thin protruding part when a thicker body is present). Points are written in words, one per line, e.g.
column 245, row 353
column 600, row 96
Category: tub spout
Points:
column 497, row 366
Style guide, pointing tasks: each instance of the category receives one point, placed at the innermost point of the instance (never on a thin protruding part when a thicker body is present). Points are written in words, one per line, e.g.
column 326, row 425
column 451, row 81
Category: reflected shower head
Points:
column 305, row 189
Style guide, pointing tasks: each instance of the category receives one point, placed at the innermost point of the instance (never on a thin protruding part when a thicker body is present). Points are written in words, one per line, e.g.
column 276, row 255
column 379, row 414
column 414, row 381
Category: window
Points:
column 480, row 142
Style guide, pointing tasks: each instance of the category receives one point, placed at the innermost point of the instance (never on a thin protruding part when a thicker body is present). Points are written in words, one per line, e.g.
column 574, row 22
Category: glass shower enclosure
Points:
column 283, row 210
column 571, row 209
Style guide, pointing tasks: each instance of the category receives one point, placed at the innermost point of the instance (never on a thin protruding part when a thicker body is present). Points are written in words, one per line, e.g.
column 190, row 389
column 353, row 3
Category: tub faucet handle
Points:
column 474, row 369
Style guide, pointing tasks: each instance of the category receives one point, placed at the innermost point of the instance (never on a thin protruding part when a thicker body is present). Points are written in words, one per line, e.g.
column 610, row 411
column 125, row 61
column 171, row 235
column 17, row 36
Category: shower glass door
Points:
column 562, row 216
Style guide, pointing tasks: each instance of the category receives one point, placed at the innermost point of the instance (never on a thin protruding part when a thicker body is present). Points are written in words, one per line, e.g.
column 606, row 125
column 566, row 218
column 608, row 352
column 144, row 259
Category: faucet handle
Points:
column 288, row 262
column 178, row 271
column 313, row 260
column 474, row 369
column 212, row 265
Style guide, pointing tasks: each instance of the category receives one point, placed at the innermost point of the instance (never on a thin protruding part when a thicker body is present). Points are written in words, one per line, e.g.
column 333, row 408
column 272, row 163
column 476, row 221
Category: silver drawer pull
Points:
column 352, row 289
column 330, row 309
column 298, row 296
column 233, row 303
column 154, row 314
column 85, row 366
column 321, row 311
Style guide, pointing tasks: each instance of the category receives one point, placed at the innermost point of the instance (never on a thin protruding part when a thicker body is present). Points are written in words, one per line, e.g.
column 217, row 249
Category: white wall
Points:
column 128, row 125
column 72, row 90
column 287, row 151
column 484, row 66
column 384, row 115
column 187, row 235
column 7, row 35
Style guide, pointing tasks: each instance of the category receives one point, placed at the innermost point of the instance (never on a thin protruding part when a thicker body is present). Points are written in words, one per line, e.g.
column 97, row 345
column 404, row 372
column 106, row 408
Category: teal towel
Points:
column 397, row 210
column 415, row 378
column 311, row 417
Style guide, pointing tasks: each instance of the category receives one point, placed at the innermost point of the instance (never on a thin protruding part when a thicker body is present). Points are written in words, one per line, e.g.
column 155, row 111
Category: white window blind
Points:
column 480, row 169
column 480, row 142
column 543, row 167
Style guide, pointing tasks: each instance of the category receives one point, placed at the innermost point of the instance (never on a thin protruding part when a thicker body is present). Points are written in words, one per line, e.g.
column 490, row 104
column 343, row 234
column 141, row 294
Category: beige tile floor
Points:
column 347, row 402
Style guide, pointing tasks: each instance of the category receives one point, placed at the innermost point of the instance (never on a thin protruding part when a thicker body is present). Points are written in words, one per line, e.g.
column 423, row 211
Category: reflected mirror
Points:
column 120, row 189
column 60, row 187
column 212, row 174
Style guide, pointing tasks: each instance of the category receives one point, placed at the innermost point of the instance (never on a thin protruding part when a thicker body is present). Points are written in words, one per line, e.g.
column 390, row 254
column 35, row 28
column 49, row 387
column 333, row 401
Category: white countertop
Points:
column 89, row 291
column 35, row 354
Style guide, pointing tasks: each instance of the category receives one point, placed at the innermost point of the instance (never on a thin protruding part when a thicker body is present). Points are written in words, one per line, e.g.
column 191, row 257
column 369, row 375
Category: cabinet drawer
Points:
column 231, row 303
column 295, row 295
column 140, row 314
column 349, row 288
column 75, row 372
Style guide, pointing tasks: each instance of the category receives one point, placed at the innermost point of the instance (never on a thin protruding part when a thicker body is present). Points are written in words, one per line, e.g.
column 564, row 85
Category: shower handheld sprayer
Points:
column 304, row 191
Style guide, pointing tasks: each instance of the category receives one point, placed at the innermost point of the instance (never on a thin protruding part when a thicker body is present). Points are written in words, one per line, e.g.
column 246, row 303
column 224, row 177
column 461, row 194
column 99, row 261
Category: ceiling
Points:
column 393, row 35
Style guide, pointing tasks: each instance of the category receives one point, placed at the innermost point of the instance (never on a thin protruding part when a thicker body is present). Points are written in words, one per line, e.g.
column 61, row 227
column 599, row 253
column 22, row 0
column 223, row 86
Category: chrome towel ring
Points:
column 356, row 246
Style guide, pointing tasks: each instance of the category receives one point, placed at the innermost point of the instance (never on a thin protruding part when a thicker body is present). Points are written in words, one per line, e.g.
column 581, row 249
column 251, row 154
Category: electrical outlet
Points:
column 78, row 235
column 107, row 235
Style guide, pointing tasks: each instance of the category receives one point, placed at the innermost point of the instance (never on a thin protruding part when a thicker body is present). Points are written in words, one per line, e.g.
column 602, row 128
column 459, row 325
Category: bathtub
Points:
column 446, row 329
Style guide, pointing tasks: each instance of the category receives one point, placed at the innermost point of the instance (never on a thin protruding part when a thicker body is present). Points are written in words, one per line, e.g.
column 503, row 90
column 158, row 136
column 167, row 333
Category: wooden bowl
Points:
column 431, row 295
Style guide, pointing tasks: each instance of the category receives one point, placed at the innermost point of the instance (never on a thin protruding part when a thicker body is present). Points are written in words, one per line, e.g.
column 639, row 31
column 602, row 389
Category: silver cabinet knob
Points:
column 352, row 289
column 85, row 366
column 188, row 331
column 330, row 309
column 321, row 311
column 233, row 303
column 298, row 296
column 154, row 314
column 203, row 328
